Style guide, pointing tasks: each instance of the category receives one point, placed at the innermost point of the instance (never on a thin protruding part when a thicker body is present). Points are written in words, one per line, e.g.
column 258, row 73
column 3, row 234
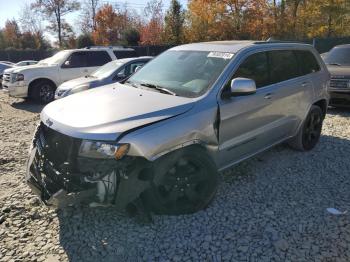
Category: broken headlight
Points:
column 103, row 150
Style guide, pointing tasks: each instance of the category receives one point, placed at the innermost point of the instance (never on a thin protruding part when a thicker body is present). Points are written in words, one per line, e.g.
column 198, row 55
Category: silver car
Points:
column 114, row 71
column 158, row 141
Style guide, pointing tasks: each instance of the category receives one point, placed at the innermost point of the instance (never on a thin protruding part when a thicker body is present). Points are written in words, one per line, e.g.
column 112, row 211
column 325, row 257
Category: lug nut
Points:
column 178, row 179
column 182, row 190
column 188, row 185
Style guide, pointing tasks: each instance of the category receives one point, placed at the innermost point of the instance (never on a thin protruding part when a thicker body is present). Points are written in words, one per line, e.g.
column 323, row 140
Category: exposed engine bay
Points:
column 61, row 178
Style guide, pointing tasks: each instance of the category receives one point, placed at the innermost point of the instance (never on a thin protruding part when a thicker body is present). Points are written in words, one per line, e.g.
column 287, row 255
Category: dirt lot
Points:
column 270, row 208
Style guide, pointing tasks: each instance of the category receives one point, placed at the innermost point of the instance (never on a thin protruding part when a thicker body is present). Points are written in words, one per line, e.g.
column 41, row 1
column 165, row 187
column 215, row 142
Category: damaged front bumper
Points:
column 60, row 178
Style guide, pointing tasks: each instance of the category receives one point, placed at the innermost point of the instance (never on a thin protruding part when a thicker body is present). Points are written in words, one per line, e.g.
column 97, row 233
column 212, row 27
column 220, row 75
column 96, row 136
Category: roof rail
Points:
column 278, row 41
column 100, row 46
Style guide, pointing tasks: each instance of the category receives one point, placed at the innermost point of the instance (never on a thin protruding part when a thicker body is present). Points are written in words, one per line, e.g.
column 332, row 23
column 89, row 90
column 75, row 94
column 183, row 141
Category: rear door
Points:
column 292, row 90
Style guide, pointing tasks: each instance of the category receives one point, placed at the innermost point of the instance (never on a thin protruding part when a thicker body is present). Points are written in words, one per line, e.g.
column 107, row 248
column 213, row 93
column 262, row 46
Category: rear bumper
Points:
column 339, row 99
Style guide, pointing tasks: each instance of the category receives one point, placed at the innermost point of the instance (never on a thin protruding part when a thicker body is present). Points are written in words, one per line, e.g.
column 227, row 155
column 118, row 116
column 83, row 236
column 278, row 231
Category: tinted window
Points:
column 124, row 54
column 307, row 62
column 77, row 59
column 255, row 67
column 98, row 58
column 283, row 65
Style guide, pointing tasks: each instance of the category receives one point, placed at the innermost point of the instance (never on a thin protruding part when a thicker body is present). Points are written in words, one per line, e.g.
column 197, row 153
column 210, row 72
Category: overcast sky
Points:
column 11, row 8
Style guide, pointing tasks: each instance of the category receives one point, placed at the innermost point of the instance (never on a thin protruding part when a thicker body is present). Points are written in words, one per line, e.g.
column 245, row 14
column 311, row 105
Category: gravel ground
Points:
column 270, row 208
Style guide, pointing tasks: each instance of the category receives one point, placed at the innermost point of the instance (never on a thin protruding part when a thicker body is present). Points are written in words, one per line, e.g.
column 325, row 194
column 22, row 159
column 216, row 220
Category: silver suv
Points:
column 159, row 139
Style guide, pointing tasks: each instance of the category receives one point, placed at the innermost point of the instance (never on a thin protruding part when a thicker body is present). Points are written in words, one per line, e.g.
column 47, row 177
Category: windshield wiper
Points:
column 336, row 64
column 131, row 84
column 160, row 89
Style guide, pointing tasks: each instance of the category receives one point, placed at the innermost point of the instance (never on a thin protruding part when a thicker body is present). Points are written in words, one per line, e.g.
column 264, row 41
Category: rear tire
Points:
column 43, row 92
column 183, row 182
column 310, row 131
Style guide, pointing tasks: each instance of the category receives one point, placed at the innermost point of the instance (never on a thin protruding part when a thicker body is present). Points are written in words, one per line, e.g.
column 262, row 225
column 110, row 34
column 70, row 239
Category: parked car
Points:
column 7, row 62
column 161, row 137
column 3, row 67
column 26, row 62
column 338, row 64
column 41, row 80
column 114, row 71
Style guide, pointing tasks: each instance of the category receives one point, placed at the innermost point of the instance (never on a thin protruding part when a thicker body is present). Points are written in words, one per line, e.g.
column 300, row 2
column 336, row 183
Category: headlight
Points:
column 17, row 77
column 76, row 89
column 103, row 150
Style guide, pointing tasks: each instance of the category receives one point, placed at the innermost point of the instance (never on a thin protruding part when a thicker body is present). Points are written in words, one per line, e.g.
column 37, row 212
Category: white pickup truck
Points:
column 40, row 81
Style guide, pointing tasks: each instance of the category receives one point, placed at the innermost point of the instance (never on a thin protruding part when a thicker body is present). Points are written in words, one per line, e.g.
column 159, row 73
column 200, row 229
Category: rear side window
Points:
column 98, row 58
column 308, row 62
column 283, row 65
column 255, row 67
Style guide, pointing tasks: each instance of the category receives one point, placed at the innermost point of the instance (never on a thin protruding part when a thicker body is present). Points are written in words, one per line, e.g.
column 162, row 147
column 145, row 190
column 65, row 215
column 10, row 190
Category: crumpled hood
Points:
column 77, row 82
column 339, row 70
column 105, row 113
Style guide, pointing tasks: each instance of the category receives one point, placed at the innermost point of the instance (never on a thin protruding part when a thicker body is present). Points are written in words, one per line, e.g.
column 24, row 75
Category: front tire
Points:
column 183, row 182
column 310, row 131
column 43, row 92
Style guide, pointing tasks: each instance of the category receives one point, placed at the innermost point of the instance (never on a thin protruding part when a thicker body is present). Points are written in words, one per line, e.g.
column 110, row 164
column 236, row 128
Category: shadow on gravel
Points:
column 28, row 105
column 339, row 111
column 269, row 208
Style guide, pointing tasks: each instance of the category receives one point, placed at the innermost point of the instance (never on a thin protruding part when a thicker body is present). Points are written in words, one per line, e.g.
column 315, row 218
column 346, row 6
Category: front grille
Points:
column 55, row 162
column 7, row 77
column 55, row 147
column 339, row 83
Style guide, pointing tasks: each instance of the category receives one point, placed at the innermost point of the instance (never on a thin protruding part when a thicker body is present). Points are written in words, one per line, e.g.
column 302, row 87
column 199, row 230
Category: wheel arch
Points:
column 34, row 81
column 323, row 105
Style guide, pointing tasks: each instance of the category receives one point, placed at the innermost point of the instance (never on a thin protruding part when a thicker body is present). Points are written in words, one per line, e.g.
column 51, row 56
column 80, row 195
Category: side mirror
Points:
column 242, row 87
column 66, row 64
column 121, row 75
column 137, row 69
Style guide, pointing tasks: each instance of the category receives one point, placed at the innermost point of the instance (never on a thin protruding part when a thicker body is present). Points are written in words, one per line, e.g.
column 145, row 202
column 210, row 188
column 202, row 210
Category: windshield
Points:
column 55, row 59
column 338, row 56
column 106, row 70
column 185, row 73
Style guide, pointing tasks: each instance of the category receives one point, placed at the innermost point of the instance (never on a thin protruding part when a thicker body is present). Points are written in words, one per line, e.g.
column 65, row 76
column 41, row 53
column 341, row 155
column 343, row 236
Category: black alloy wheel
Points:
column 183, row 182
column 312, row 128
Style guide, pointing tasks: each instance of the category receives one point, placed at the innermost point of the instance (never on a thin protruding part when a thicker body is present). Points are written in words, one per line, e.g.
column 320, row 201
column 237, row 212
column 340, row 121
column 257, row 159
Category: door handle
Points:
column 268, row 96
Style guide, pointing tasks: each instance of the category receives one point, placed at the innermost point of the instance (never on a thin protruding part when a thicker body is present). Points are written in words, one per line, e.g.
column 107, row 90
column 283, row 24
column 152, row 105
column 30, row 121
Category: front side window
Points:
column 97, row 58
column 307, row 62
column 255, row 67
column 283, row 65
column 75, row 60
column 186, row 73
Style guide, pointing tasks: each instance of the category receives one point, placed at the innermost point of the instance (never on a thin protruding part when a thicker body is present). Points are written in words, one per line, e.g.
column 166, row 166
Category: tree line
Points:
column 102, row 23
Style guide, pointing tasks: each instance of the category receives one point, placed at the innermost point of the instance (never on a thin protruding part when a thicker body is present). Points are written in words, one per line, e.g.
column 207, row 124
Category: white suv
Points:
column 41, row 80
